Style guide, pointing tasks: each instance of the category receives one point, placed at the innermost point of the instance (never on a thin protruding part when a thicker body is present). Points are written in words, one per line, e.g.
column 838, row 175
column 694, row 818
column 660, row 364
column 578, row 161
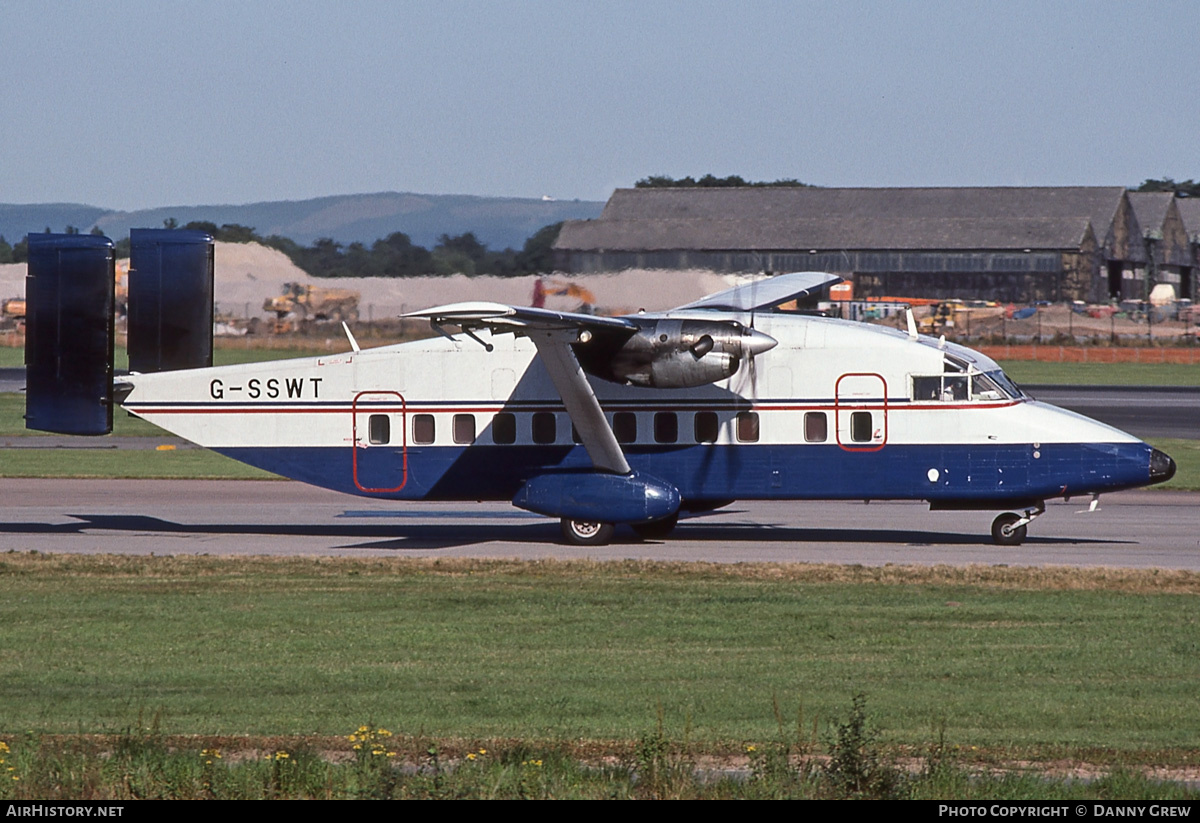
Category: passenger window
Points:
column 544, row 429
column 423, row 429
column 860, row 427
column 625, row 427
column 504, row 428
column 747, row 427
column 575, row 438
column 666, row 427
column 464, row 429
column 707, row 427
column 379, row 430
column 816, row 427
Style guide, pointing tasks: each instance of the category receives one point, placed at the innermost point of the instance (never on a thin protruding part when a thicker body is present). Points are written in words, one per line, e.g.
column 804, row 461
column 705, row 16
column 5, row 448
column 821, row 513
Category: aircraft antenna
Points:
column 353, row 342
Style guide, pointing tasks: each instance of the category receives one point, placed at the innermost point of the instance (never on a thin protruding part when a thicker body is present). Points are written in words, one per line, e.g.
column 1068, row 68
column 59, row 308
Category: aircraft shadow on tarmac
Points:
column 426, row 536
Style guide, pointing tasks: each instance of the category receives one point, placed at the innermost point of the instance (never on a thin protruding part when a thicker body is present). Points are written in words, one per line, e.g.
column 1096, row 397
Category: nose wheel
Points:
column 1009, row 529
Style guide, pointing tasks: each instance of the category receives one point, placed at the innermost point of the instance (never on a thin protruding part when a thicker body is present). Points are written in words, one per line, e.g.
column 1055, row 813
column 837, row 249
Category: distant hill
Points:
column 500, row 222
column 17, row 220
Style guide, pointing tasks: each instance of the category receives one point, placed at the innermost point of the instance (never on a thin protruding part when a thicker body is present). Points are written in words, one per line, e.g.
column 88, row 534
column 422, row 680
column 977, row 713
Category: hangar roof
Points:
column 862, row 219
column 1189, row 210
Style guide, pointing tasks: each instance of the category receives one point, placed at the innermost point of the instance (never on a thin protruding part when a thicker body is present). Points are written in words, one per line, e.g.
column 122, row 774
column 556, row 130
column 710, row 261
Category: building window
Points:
column 464, row 429
column 544, row 428
column 379, row 430
column 422, row 429
column 747, row 427
column 707, row 427
column 666, row 427
column 504, row 429
column 816, row 427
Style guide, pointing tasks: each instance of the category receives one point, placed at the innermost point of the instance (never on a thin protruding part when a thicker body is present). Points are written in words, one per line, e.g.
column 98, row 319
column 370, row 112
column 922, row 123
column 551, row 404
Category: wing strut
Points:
column 582, row 405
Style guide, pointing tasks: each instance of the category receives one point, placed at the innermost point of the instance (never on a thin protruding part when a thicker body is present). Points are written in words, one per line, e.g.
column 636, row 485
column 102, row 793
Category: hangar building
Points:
column 997, row 243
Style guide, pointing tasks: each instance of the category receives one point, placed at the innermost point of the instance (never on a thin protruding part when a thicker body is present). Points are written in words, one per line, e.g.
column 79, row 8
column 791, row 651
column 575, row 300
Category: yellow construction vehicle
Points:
column 561, row 288
column 304, row 303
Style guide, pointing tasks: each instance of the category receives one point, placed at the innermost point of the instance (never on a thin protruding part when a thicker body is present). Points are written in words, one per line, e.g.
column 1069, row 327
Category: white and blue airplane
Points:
column 639, row 420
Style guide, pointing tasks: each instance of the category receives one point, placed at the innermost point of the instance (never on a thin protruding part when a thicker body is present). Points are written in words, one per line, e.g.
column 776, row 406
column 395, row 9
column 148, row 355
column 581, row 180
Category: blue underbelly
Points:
column 725, row 472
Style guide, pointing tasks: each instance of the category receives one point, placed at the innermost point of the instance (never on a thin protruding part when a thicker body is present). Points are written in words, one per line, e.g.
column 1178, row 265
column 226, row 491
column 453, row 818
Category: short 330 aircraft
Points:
column 597, row 421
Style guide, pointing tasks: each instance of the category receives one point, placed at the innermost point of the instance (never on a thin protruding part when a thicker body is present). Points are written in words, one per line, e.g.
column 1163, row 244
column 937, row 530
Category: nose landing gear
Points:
column 1009, row 529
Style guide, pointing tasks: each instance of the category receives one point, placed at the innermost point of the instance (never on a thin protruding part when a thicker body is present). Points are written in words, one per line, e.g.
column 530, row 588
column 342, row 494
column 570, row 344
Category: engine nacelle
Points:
column 680, row 354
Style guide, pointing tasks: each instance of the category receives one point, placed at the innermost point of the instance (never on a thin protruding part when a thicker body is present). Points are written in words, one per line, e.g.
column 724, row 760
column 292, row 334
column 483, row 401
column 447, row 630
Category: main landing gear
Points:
column 587, row 533
column 1009, row 529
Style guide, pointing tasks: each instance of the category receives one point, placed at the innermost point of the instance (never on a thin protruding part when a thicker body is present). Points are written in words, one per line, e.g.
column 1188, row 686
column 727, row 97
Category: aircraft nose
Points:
column 755, row 342
column 1162, row 467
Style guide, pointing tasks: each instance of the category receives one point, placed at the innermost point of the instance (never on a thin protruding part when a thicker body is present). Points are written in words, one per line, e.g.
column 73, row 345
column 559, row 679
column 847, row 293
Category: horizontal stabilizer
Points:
column 170, row 299
column 69, row 334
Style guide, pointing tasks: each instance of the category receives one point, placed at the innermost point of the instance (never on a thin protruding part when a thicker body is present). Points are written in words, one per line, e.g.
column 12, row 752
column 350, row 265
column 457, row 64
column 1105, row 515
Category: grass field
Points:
column 1032, row 372
column 1038, row 662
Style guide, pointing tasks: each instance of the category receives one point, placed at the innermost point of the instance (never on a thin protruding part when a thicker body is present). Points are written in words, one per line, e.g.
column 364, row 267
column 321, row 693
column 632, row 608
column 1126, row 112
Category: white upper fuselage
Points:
column 819, row 365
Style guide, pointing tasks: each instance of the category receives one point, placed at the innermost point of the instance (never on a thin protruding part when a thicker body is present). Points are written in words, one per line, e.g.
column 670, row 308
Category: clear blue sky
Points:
column 132, row 104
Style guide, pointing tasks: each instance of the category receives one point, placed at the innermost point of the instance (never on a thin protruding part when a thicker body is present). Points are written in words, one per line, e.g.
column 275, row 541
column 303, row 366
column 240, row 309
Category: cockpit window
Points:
column 959, row 387
column 955, row 363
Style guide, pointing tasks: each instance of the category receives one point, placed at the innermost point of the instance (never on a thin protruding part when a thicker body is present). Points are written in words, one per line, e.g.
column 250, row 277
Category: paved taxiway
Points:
column 1137, row 529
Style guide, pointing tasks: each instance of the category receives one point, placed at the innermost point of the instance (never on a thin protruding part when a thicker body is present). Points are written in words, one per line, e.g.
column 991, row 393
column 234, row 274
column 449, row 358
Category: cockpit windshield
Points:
column 1007, row 388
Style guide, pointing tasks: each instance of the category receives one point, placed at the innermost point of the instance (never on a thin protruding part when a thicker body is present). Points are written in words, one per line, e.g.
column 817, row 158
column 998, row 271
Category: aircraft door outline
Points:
column 856, row 397
column 357, row 443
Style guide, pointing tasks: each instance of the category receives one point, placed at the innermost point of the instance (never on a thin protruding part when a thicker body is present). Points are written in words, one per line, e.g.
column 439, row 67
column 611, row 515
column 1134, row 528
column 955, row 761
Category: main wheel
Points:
column 657, row 529
column 1003, row 532
column 585, row 533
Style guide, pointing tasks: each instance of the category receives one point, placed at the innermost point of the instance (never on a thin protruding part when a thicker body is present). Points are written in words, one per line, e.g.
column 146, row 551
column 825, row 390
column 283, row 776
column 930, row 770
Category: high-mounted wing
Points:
column 766, row 293
column 501, row 318
column 654, row 351
column 553, row 333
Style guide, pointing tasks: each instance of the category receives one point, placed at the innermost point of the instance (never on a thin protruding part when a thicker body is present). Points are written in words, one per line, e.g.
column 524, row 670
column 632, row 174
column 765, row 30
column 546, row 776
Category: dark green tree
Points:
column 234, row 233
column 397, row 256
column 203, row 225
column 538, row 254
column 6, row 251
column 1185, row 188
column 710, row 181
